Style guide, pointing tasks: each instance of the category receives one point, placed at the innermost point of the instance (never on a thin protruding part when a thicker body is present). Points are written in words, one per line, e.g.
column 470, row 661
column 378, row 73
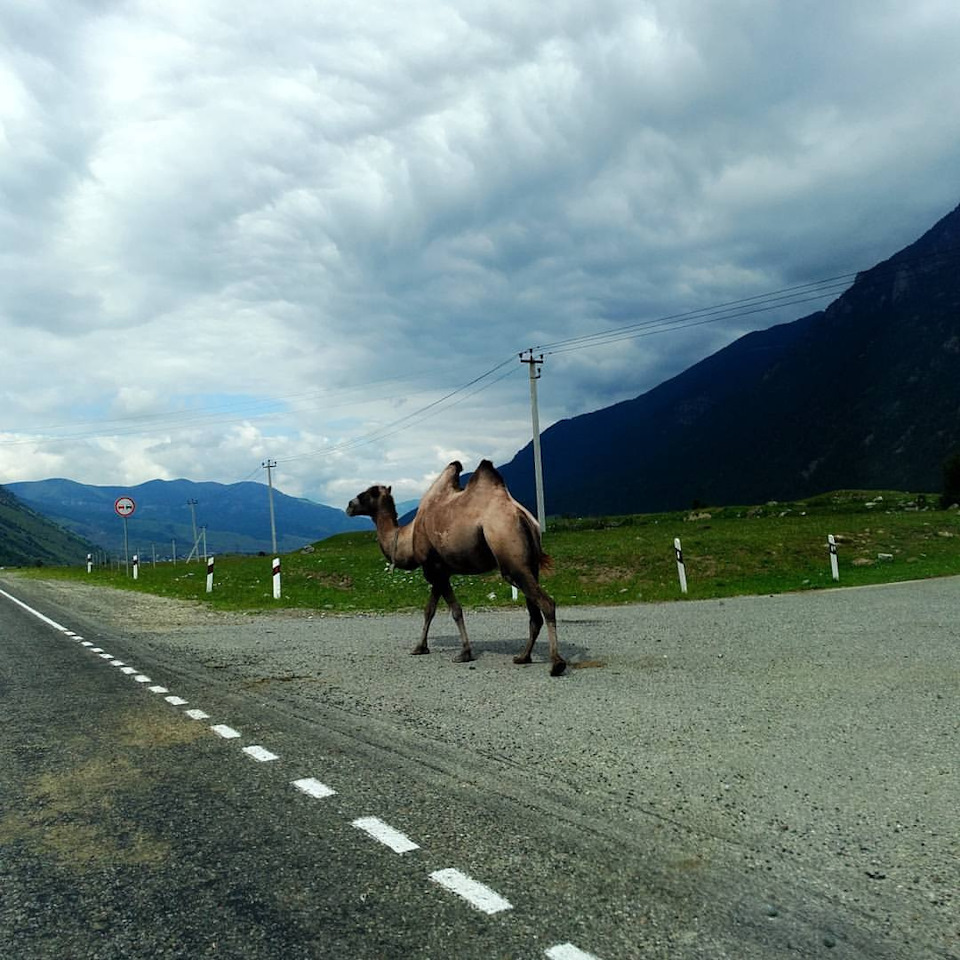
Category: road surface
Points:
column 764, row 777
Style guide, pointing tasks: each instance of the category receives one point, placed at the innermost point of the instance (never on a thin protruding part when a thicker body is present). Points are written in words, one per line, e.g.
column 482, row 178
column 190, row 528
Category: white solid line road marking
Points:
column 567, row 951
column 36, row 613
column 159, row 689
column 260, row 754
column 179, row 702
column 394, row 839
column 222, row 730
column 192, row 714
column 475, row 893
column 314, row 788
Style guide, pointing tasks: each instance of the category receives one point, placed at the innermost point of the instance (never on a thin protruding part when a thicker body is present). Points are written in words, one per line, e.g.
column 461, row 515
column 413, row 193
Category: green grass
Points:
column 727, row 551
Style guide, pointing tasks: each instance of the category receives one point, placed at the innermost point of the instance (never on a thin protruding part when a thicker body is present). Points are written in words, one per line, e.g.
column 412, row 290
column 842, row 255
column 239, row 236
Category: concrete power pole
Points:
column 192, row 504
column 268, row 466
column 534, row 363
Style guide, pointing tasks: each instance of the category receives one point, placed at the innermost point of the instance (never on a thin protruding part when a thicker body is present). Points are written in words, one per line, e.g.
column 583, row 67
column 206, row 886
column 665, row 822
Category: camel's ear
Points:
column 389, row 489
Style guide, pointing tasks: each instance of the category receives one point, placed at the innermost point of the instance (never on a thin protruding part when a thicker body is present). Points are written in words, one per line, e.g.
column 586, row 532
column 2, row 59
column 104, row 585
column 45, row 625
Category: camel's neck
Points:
column 396, row 542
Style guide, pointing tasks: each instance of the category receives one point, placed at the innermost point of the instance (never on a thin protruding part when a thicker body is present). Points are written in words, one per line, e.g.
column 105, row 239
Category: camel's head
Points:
column 371, row 502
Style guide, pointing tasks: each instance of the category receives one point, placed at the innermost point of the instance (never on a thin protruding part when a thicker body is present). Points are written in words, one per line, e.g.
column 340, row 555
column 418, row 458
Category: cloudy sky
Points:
column 321, row 233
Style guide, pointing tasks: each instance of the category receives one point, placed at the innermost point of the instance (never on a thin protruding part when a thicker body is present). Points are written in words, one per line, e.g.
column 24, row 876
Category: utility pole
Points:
column 268, row 466
column 533, row 365
column 192, row 504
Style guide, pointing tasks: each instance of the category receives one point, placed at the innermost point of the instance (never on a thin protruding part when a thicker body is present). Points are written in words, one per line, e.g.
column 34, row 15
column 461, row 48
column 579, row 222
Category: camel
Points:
column 472, row 529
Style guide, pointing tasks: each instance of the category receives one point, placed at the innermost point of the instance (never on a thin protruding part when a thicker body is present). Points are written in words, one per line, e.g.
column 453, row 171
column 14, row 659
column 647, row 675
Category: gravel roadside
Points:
column 816, row 732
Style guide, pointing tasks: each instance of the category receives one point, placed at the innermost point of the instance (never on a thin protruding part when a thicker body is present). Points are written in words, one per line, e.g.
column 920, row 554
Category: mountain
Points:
column 864, row 394
column 237, row 516
column 28, row 539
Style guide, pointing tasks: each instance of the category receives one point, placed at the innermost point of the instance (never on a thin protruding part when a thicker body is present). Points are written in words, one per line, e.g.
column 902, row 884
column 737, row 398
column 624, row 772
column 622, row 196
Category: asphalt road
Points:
column 762, row 778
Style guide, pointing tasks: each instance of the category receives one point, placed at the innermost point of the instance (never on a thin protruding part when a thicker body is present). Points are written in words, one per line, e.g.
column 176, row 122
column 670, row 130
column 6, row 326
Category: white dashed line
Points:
column 222, row 730
column 394, row 839
column 567, row 951
column 314, row 788
column 475, row 893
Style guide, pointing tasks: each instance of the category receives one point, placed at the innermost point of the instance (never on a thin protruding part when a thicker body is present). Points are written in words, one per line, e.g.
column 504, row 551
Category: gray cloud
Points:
column 211, row 209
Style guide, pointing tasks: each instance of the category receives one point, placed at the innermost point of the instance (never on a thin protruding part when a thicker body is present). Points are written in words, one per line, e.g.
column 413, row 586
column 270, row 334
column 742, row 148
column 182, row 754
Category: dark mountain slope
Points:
column 864, row 394
column 27, row 538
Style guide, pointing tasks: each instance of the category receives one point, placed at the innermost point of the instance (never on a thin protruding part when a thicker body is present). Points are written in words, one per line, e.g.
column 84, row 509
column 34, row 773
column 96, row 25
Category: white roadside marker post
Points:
column 136, row 566
column 834, row 564
column 681, row 568
column 276, row 578
column 89, row 563
column 209, row 574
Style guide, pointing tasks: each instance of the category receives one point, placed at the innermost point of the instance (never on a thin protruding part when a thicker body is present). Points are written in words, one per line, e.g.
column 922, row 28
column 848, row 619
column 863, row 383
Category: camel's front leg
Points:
column 428, row 613
column 456, row 611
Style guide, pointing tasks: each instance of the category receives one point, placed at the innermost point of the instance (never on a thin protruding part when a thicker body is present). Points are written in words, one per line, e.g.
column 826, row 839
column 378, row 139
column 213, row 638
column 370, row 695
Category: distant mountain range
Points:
column 862, row 395
column 236, row 516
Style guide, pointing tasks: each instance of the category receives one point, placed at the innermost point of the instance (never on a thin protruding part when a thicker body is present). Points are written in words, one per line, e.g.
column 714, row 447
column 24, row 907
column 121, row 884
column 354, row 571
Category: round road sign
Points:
column 125, row 506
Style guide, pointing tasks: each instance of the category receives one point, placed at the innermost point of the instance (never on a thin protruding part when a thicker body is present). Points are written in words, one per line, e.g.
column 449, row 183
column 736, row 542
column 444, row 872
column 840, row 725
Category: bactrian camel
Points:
column 473, row 529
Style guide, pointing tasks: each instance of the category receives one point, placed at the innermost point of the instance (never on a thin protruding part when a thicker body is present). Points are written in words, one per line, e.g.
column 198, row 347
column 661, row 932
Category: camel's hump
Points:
column 486, row 472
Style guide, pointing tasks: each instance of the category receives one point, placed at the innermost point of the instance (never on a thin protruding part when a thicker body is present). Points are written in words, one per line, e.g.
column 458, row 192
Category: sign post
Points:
column 124, row 507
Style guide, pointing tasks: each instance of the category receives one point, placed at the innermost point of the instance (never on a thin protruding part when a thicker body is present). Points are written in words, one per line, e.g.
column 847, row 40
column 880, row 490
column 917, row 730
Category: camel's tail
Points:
column 546, row 563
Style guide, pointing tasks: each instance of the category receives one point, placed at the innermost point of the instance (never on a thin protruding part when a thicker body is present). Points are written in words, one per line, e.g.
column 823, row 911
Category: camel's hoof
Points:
column 558, row 667
column 520, row 659
column 419, row 651
column 465, row 656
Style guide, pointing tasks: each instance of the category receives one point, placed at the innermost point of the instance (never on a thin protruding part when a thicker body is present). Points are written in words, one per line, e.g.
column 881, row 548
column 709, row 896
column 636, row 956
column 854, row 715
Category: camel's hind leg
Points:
column 541, row 606
column 536, row 623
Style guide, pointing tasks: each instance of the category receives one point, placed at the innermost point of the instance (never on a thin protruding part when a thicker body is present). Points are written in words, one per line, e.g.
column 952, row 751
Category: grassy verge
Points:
column 729, row 551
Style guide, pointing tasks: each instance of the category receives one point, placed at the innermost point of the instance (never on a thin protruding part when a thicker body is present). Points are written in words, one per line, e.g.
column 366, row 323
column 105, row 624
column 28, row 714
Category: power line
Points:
column 402, row 423
column 746, row 306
